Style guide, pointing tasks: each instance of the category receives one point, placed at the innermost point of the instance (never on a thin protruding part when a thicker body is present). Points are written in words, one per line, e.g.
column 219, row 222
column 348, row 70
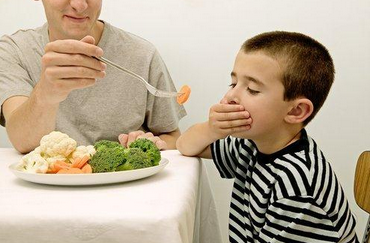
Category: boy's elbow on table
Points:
column 185, row 147
column 187, row 150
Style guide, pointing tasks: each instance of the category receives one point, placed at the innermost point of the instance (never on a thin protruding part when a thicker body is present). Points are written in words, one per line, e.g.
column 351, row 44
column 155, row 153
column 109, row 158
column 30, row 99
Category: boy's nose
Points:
column 233, row 102
column 79, row 5
column 231, row 98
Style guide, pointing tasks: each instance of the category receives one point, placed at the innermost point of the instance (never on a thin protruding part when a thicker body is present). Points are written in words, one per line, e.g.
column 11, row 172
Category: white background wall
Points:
column 198, row 40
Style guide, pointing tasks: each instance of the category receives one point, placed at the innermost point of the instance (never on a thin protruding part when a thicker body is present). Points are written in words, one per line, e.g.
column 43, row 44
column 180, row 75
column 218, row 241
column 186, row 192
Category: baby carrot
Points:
column 184, row 94
column 58, row 165
column 87, row 169
column 80, row 162
column 70, row 171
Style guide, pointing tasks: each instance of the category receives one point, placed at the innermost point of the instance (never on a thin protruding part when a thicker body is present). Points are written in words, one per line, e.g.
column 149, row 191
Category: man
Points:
column 50, row 80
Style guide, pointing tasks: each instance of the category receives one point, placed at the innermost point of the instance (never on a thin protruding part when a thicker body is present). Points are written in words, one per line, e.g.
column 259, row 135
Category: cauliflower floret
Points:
column 33, row 162
column 57, row 144
column 81, row 151
column 52, row 160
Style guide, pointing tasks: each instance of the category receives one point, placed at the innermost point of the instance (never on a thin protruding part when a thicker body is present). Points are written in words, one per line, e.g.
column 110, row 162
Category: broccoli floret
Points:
column 107, row 159
column 135, row 158
column 106, row 143
column 149, row 148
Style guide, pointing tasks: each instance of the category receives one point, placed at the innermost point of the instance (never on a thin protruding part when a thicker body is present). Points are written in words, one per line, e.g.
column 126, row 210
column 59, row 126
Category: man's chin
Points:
column 76, row 32
column 76, row 35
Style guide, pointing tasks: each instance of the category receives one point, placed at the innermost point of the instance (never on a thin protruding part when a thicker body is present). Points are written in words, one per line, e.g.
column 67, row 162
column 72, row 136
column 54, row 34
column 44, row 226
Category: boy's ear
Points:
column 300, row 110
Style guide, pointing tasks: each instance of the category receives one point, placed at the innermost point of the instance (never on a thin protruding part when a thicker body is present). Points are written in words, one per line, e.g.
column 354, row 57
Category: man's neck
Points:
column 98, row 31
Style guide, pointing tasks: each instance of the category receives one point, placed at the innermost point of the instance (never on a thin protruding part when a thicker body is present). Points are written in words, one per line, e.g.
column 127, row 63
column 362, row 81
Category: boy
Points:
column 284, row 189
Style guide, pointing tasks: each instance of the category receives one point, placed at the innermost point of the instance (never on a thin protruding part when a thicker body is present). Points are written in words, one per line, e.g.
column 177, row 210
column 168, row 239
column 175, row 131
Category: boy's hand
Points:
column 226, row 119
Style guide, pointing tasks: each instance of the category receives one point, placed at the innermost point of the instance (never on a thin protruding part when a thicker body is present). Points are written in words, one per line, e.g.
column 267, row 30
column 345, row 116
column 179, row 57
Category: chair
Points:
column 362, row 188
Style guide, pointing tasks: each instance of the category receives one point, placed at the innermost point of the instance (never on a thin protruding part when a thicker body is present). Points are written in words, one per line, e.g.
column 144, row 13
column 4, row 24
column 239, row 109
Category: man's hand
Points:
column 68, row 65
column 127, row 139
column 226, row 119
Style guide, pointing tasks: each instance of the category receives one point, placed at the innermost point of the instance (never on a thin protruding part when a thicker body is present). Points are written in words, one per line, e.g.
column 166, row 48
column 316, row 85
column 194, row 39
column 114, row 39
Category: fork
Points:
column 153, row 90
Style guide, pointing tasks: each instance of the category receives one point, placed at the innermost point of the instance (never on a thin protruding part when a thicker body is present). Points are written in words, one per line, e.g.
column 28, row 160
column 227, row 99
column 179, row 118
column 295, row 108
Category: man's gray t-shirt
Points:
column 114, row 105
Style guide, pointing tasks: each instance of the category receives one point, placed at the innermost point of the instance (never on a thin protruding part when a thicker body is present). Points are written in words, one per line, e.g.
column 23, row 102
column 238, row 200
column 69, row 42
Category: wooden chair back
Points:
column 362, row 187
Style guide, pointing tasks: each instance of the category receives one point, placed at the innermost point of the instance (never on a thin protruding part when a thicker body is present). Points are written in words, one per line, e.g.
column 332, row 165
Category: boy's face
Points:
column 256, row 85
column 71, row 19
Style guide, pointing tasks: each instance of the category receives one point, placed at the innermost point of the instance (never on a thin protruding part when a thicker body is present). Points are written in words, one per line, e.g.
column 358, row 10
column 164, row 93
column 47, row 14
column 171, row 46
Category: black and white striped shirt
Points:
column 290, row 196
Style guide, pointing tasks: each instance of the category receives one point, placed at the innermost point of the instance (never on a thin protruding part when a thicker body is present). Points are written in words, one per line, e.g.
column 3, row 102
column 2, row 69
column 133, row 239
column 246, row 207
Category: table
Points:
column 175, row 205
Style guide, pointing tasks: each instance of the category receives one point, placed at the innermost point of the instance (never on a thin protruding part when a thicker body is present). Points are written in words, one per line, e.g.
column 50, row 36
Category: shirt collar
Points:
column 297, row 146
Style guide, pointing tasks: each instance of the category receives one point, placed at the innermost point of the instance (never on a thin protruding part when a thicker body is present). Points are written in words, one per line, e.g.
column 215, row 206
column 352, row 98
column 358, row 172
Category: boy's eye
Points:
column 252, row 92
column 232, row 85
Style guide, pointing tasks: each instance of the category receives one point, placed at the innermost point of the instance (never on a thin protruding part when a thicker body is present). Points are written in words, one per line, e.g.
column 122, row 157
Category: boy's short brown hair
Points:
column 308, row 66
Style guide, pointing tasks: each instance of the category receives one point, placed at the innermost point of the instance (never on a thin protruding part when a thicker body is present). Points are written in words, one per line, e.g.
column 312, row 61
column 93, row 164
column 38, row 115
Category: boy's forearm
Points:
column 28, row 123
column 195, row 141
column 171, row 138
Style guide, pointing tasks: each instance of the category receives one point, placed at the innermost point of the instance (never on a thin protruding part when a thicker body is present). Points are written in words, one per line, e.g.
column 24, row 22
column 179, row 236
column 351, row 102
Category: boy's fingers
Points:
column 229, row 116
column 238, row 129
column 227, row 108
column 234, row 123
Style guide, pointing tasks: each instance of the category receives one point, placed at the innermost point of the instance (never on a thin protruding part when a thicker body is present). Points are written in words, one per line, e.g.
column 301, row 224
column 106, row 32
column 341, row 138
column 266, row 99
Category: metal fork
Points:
column 153, row 90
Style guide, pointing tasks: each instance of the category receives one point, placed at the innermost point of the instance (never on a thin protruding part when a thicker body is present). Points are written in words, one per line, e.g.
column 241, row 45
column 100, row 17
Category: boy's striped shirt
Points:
column 290, row 196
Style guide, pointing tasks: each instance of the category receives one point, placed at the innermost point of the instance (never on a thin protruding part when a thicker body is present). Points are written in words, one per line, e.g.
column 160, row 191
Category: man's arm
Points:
column 66, row 65
column 224, row 119
column 27, row 121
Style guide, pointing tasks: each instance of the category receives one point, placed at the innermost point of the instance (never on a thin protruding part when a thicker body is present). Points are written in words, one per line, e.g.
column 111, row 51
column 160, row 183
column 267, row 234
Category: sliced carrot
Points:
column 61, row 165
column 70, row 171
column 57, row 165
column 184, row 94
column 75, row 162
column 87, row 169
column 80, row 162
column 51, row 169
column 63, row 171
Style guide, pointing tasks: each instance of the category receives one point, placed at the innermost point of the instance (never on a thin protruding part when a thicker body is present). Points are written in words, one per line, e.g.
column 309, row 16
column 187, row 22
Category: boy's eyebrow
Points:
column 249, row 78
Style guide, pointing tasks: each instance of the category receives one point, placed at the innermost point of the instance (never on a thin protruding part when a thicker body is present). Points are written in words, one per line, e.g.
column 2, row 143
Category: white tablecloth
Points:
column 175, row 205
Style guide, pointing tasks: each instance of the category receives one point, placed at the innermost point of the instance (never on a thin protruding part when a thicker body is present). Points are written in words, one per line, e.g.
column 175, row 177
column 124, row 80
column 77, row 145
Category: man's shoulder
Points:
column 26, row 37
column 128, row 39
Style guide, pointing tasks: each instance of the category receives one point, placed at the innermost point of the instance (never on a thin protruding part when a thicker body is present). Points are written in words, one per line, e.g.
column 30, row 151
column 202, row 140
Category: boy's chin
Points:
column 245, row 135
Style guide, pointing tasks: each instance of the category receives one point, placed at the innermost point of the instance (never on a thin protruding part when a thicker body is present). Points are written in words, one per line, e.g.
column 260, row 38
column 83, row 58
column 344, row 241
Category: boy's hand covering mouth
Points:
column 226, row 119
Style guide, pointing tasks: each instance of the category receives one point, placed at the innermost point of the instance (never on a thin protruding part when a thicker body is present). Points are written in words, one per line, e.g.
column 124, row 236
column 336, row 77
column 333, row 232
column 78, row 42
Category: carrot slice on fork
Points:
column 184, row 94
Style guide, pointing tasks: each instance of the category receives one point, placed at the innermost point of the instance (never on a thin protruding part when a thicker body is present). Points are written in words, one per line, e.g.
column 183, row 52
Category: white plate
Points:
column 88, row 179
